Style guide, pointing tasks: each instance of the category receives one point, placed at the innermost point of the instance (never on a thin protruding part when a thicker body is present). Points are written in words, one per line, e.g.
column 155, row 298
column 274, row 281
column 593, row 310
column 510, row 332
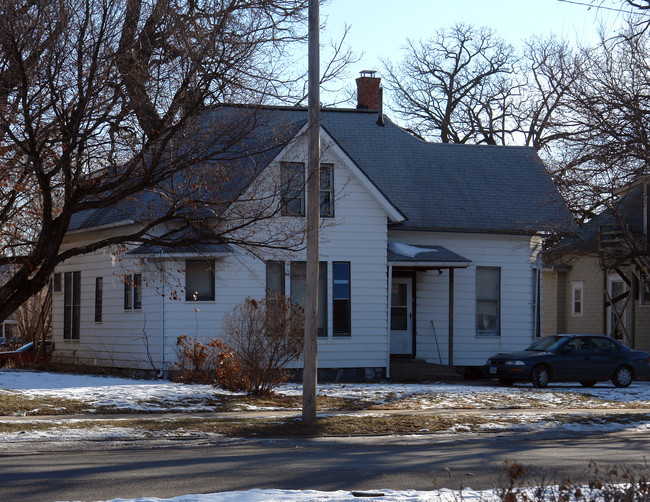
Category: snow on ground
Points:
column 126, row 393
column 467, row 495
column 444, row 495
column 162, row 395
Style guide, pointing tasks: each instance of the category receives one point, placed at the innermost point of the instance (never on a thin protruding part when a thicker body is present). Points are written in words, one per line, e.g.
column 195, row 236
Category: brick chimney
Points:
column 368, row 90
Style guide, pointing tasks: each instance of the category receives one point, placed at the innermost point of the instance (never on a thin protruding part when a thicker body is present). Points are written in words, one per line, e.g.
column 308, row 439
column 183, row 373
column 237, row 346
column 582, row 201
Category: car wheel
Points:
column 506, row 381
column 589, row 383
column 540, row 376
column 622, row 376
column 8, row 364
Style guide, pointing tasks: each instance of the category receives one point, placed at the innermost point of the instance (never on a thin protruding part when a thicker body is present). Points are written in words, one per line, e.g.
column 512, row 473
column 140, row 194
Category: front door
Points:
column 401, row 319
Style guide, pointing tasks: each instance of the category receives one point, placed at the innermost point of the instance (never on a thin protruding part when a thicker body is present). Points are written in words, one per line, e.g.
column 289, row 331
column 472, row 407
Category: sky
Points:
column 379, row 28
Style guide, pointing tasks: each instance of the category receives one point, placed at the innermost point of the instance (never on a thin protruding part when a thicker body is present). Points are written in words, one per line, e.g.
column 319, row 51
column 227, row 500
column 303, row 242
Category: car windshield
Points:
column 26, row 348
column 548, row 344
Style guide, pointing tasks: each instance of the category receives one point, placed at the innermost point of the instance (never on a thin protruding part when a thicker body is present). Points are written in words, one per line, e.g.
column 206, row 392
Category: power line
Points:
column 600, row 6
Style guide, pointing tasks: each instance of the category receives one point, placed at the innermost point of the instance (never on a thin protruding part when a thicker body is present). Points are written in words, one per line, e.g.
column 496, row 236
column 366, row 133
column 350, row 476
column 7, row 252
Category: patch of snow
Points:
column 408, row 250
column 444, row 495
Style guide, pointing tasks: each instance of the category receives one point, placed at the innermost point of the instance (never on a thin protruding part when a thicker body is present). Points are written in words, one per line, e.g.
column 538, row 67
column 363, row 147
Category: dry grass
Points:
column 14, row 403
column 345, row 425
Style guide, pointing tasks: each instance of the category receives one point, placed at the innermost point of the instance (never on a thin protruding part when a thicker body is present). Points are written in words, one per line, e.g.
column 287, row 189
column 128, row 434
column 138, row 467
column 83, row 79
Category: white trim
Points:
column 389, row 299
column 107, row 226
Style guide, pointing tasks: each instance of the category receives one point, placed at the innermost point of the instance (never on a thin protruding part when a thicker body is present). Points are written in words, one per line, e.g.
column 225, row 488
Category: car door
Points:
column 606, row 357
column 574, row 359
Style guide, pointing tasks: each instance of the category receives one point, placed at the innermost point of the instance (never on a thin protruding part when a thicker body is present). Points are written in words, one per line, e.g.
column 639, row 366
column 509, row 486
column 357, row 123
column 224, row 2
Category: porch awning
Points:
column 425, row 257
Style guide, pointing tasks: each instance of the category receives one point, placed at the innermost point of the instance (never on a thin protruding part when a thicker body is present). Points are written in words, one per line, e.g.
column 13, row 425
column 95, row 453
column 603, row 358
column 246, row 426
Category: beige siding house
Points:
column 594, row 283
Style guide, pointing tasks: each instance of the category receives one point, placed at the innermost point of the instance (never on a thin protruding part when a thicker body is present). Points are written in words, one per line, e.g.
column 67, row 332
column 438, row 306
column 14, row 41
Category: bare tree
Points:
column 102, row 104
column 609, row 146
column 551, row 68
column 456, row 86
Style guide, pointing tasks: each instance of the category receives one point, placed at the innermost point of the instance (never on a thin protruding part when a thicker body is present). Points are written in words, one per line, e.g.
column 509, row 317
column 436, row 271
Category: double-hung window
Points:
column 577, row 299
column 199, row 280
column 274, row 279
column 71, row 305
column 133, row 292
column 298, row 290
column 326, row 190
column 488, row 292
column 99, row 293
column 293, row 188
column 341, row 298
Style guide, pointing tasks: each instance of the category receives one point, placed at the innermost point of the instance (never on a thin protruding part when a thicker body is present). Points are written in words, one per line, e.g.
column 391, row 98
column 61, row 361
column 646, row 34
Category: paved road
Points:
column 103, row 470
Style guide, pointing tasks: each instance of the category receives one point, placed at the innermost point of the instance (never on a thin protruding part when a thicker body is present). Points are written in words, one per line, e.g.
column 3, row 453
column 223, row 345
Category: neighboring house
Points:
column 427, row 251
column 595, row 283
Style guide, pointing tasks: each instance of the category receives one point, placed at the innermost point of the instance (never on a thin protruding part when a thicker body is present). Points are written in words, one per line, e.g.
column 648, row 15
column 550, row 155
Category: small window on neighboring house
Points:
column 99, row 287
column 341, row 298
column 488, row 292
column 577, row 299
column 133, row 292
column 56, row 282
column 326, row 190
column 298, row 290
column 199, row 280
column 71, row 305
column 293, row 188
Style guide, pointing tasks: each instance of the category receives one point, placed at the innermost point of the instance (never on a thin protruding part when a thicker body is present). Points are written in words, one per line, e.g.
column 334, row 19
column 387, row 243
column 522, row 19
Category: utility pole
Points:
column 309, row 374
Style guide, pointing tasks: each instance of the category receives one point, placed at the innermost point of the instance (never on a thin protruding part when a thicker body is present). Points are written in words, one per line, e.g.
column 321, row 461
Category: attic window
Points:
column 326, row 190
column 293, row 188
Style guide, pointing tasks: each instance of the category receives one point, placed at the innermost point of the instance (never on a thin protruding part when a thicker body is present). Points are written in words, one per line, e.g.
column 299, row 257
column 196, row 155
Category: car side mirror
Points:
column 568, row 350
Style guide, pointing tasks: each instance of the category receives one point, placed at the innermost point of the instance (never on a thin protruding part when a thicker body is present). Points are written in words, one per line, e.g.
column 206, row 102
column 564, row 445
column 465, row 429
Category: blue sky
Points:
column 380, row 27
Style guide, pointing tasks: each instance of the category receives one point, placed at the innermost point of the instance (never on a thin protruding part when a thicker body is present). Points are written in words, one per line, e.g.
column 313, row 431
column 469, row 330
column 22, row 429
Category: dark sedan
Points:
column 571, row 358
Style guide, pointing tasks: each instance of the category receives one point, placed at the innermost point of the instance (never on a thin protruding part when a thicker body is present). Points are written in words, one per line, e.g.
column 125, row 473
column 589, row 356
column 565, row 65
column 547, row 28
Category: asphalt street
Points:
column 100, row 470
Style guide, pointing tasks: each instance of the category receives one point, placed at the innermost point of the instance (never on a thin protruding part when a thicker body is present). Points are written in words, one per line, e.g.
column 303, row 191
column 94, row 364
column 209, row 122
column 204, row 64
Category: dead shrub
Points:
column 196, row 361
column 263, row 337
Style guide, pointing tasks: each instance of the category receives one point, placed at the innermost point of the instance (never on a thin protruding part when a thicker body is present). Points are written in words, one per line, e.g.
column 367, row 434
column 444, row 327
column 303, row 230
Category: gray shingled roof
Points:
column 438, row 187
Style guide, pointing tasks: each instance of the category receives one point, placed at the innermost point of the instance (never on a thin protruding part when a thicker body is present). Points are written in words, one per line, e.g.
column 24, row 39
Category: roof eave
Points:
column 107, row 226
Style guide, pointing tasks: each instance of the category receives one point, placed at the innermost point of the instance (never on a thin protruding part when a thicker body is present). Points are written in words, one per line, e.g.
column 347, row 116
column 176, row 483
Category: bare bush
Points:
column 264, row 337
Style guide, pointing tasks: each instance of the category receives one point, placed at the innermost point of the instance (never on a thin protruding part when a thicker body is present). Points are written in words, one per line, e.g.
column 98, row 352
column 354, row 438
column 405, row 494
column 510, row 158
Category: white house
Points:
column 428, row 251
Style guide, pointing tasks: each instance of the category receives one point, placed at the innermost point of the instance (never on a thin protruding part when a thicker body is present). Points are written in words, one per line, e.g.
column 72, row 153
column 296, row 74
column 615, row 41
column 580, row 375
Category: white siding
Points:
column 357, row 234
column 124, row 338
column 513, row 255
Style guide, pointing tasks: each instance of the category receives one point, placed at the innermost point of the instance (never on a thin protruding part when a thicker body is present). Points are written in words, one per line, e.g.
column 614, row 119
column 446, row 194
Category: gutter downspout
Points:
column 162, row 323
column 390, row 287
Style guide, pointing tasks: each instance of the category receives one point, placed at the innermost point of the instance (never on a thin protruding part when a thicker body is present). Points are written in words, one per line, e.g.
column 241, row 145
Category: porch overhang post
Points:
column 451, row 317
column 390, row 288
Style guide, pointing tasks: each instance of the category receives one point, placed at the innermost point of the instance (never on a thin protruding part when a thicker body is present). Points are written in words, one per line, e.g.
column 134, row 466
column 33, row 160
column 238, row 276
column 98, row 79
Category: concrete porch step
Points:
column 419, row 370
